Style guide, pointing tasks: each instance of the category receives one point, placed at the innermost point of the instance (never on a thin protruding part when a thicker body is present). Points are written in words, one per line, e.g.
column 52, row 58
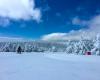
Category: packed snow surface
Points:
column 48, row 66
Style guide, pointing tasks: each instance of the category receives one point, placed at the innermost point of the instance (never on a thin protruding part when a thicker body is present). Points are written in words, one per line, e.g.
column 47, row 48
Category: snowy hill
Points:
column 48, row 67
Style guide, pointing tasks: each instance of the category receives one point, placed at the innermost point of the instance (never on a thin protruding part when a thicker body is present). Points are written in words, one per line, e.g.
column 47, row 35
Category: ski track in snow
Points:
column 38, row 66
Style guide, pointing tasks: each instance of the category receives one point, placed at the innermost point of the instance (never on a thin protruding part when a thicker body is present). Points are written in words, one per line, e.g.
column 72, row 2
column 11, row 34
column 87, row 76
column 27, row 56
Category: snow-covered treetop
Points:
column 98, row 37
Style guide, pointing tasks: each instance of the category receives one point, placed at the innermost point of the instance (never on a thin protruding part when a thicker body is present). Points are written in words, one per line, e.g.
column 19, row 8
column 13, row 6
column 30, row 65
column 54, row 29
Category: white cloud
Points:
column 78, row 21
column 91, row 32
column 19, row 9
column 54, row 36
column 95, row 24
column 73, row 35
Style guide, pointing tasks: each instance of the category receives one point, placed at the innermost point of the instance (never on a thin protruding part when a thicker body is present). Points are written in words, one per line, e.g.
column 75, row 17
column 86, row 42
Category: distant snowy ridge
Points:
column 12, row 39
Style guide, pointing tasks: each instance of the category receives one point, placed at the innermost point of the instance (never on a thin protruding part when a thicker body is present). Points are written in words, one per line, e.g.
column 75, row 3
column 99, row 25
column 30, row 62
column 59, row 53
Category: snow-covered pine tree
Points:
column 96, row 49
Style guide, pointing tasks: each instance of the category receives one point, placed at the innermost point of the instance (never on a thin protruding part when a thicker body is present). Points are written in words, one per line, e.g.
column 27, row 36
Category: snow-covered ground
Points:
column 38, row 66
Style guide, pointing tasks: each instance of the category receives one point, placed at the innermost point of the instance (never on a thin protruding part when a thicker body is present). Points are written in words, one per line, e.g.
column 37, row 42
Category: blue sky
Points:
column 33, row 19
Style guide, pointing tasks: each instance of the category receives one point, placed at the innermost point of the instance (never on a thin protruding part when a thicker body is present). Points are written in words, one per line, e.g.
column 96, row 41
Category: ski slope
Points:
column 39, row 66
